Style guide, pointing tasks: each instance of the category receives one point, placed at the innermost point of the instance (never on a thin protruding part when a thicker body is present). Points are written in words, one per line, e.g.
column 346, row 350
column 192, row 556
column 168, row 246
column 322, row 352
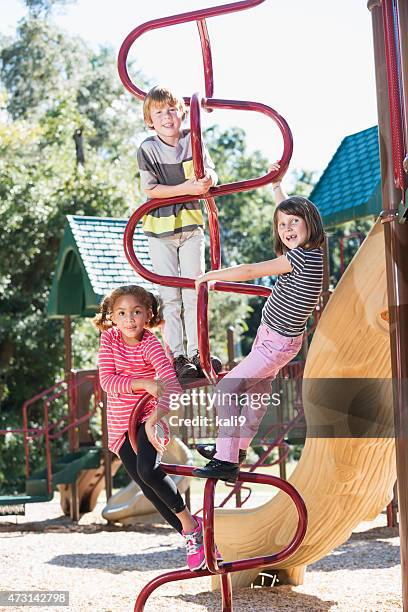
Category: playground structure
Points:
column 80, row 473
column 337, row 464
column 364, row 310
column 349, row 450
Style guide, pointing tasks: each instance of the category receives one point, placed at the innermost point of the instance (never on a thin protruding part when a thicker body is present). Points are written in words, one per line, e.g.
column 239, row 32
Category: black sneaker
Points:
column 184, row 368
column 222, row 470
column 208, row 451
column 216, row 364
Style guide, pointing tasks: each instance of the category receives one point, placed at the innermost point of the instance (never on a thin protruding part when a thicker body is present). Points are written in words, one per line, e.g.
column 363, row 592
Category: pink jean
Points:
column 269, row 353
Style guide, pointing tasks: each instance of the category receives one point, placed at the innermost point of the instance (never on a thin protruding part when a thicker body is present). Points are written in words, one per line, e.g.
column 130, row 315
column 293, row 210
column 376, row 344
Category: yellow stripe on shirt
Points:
column 167, row 225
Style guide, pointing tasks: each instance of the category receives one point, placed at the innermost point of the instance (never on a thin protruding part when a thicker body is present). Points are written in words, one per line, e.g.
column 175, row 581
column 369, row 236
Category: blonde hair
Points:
column 159, row 96
column 147, row 299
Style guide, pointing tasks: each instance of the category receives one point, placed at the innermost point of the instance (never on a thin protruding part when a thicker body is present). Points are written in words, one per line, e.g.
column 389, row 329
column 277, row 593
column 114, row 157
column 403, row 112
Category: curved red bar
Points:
column 163, row 22
column 178, row 281
column 232, row 566
column 253, row 477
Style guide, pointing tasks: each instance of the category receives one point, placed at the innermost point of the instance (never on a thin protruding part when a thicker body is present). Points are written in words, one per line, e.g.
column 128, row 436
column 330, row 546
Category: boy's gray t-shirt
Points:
column 164, row 164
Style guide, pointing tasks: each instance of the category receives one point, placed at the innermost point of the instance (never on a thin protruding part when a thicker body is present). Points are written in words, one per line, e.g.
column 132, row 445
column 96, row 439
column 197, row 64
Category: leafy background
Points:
column 53, row 86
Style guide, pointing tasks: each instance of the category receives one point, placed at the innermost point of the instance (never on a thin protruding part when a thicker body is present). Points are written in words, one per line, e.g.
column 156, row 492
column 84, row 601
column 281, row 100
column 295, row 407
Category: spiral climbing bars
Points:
column 196, row 103
column 208, row 103
column 223, row 569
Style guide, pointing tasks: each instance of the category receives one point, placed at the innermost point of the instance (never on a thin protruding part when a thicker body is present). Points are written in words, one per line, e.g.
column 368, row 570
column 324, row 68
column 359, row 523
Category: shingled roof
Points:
column 350, row 187
column 91, row 262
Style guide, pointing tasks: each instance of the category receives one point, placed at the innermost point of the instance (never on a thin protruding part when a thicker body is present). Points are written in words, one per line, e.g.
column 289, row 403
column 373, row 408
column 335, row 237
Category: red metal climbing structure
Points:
column 209, row 103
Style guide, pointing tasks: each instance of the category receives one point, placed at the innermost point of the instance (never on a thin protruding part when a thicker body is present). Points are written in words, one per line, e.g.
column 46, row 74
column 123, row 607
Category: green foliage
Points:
column 225, row 310
column 51, row 86
column 362, row 226
column 246, row 217
column 37, row 65
column 295, row 452
column 42, row 8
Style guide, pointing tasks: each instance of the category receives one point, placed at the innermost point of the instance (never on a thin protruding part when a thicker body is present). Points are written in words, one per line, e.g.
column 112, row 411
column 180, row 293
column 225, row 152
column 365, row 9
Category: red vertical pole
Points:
column 226, row 592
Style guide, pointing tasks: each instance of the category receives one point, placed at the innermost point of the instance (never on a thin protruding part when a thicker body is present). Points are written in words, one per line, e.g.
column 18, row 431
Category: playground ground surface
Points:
column 105, row 566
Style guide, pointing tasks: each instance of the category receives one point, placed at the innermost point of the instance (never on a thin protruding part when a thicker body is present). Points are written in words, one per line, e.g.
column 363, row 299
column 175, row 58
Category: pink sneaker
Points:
column 195, row 546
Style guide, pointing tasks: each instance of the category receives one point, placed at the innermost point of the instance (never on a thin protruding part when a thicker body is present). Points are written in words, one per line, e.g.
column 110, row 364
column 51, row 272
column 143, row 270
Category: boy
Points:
column 175, row 233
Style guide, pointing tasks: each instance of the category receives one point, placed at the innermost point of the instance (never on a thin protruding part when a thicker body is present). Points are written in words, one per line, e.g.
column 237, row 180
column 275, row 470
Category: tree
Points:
column 361, row 228
column 51, row 86
column 43, row 8
column 246, row 218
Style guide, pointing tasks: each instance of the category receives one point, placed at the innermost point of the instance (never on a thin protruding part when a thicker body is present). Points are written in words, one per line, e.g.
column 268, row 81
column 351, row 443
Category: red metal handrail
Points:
column 47, row 427
column 179, row 281
column 25, row 408
column 31, row 433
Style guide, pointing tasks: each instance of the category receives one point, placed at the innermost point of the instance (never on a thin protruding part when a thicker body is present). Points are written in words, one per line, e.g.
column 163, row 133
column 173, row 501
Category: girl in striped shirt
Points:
column 299, row 235
column 132, row 362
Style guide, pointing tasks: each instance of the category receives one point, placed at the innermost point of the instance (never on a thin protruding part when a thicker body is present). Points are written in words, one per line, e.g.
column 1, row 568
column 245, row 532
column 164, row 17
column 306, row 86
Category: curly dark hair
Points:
column 147, row 299
column 301, row 207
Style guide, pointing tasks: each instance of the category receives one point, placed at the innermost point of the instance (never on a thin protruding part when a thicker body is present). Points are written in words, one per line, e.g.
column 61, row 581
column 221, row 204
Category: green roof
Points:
column 350, row 186
column 92, row 262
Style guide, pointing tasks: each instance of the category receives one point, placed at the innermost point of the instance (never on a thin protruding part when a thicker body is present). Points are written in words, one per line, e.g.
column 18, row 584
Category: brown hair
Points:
column 102, row 320
column 301, row 207
column 159, row 96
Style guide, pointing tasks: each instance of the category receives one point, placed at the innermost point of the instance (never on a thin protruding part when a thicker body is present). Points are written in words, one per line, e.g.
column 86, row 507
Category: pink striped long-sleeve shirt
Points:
column 119, row 363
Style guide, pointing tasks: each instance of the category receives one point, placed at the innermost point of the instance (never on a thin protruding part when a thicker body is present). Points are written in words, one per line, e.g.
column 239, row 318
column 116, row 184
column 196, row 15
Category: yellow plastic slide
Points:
column 347, row 469
column 129, row 506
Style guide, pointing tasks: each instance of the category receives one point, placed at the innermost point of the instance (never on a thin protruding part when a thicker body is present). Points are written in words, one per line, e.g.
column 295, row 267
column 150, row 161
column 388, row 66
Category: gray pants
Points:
column 179, row 255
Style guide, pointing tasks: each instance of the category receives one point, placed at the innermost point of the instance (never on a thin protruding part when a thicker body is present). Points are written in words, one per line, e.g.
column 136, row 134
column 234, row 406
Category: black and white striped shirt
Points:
column 296, row 293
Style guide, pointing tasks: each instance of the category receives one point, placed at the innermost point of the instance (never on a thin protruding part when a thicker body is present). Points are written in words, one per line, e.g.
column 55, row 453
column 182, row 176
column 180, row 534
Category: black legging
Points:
column 144, row 468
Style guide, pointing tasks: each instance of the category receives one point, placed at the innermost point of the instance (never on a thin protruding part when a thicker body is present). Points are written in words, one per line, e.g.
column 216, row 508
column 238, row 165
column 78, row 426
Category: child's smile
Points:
column 166, row 121
column 130, row 317
column 292, row 230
